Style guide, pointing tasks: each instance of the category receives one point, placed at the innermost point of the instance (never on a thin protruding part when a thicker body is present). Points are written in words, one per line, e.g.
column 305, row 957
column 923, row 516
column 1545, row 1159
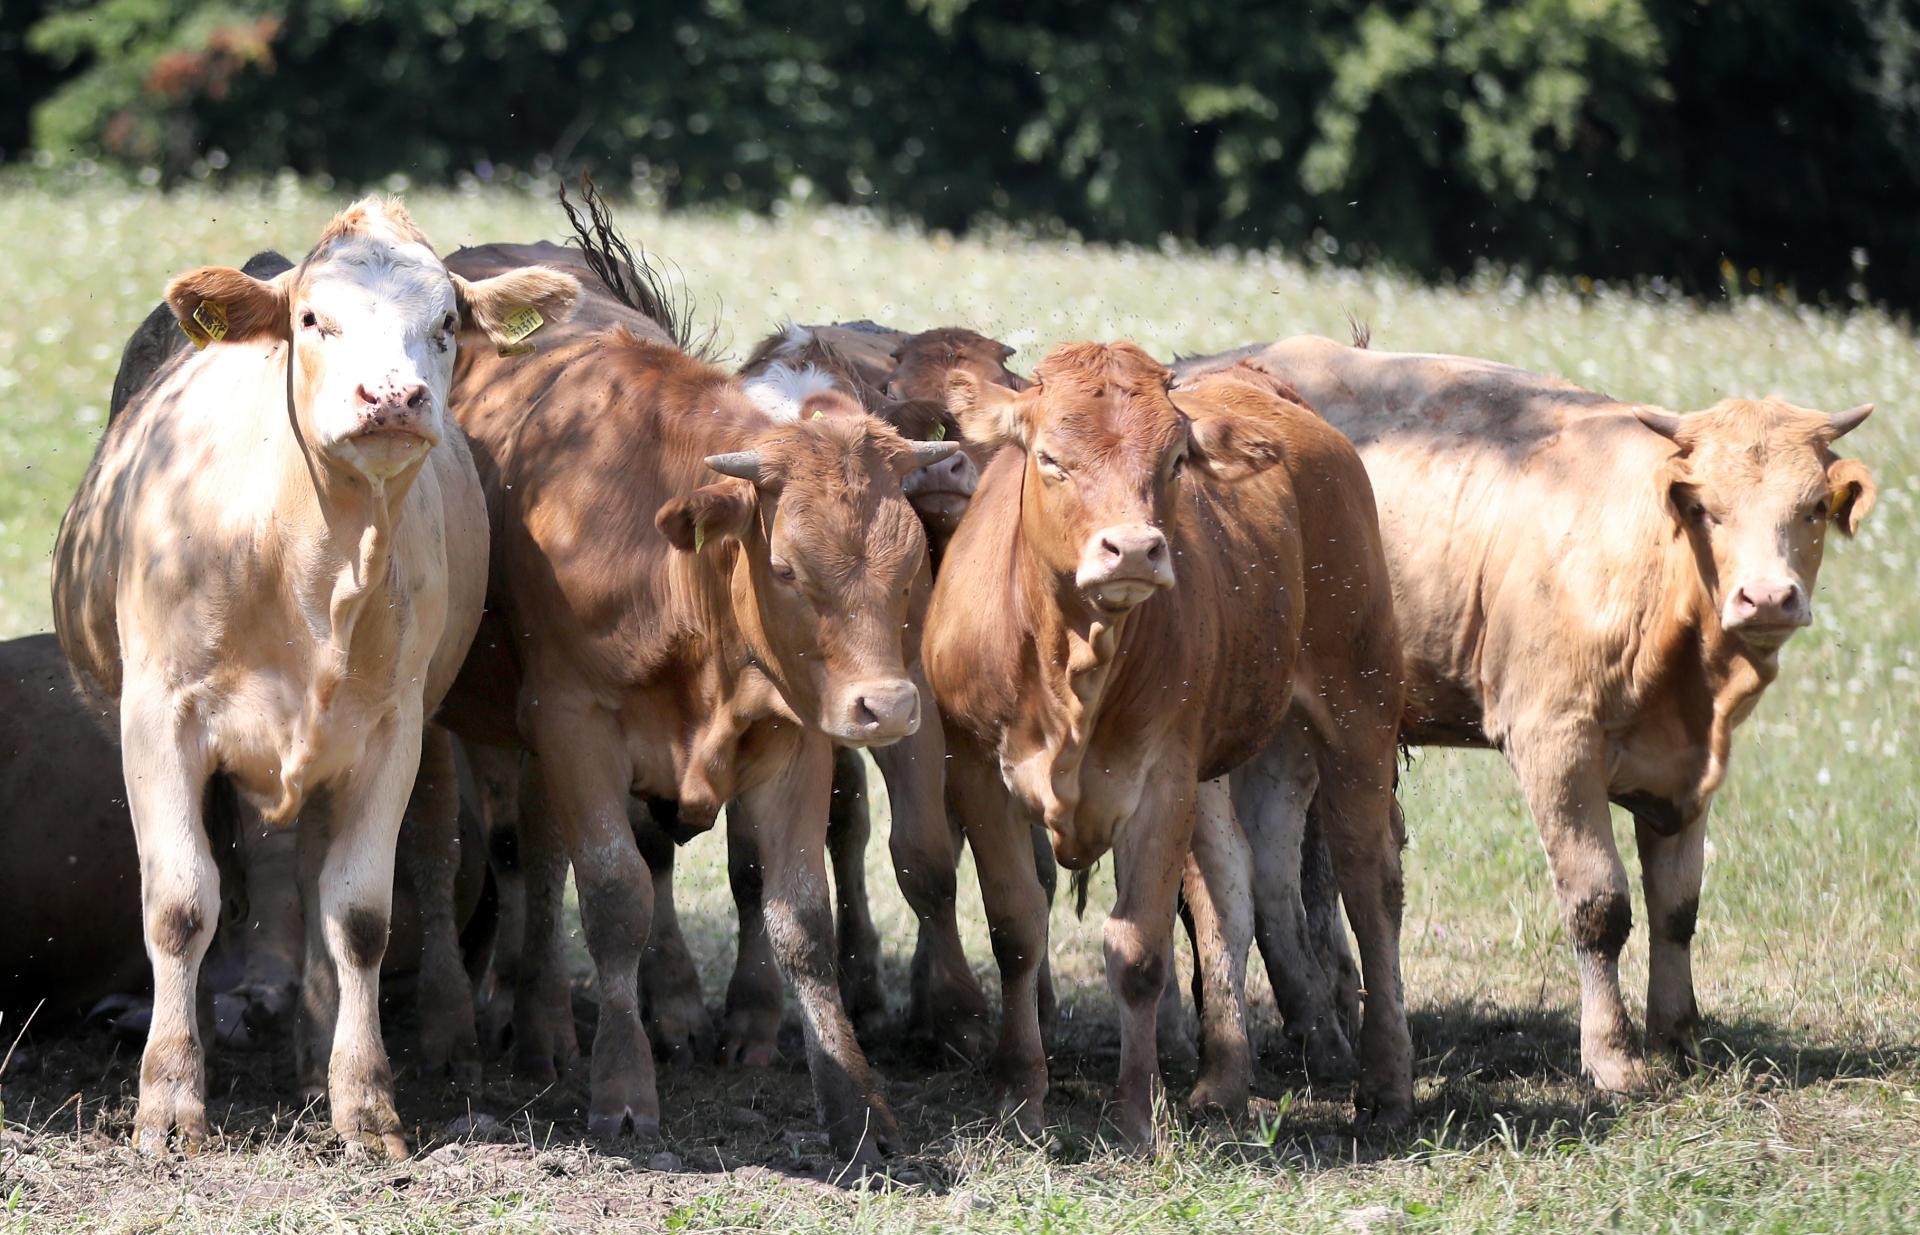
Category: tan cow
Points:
column 1600, row 590
column 271, row 572
column 695, row 602
column 1124, row 614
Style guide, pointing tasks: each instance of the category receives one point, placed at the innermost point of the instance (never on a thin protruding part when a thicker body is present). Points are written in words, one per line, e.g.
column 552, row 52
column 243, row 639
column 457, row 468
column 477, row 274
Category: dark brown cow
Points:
column 1085, row 691
column 1601, row 591
column 659, row 630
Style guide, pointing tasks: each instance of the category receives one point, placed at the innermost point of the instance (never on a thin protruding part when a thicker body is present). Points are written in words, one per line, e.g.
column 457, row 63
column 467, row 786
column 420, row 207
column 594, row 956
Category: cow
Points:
column 1145, row 594
column 1600, row 590
column 74, row 945
column 267, row 579
column 691, row 602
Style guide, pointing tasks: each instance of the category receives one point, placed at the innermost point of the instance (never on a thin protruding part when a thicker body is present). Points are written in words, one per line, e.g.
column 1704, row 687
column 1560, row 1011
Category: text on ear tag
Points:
column 211, row 317
column 522, row 348
column 520, row 323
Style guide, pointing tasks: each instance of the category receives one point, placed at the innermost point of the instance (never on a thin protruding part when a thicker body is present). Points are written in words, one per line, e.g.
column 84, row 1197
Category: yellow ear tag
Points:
column 520, row 323
column 939, row 432
column 819, row 416
column 699, row 537
column 211, row 317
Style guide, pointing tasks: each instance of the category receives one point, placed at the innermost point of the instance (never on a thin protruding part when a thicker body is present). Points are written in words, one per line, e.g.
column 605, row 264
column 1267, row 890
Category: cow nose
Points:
column 880, row 712
column 953, row 474
column 1769, row 602
column 391, row 398
column 1125, row 564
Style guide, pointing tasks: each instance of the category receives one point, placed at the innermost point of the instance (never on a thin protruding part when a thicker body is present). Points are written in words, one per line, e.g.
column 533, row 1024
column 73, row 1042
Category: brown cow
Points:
column 1085, row 691
column 271, row 572
column 700, row 640
column 1600, row 590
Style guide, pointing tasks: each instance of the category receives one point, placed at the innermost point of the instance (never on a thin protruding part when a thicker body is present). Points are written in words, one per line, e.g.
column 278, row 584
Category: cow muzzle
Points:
column 1767, row 611
column 1123, row 565
column 393, row 426
column 875, row 713
column 942, row 490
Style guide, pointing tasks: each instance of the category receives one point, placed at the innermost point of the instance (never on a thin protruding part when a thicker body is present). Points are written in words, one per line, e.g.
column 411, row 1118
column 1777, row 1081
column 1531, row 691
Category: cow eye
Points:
column 782, row 571
column 1820, row 509
column 447, row 323
column 308, row 320
column 1048, row 463
column 1179, row 464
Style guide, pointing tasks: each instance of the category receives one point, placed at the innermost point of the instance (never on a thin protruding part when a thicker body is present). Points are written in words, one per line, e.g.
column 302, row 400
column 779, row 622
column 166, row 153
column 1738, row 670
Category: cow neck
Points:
column 729, row 687
column 340, row 526
column 1735, row 673
column 1075, row 651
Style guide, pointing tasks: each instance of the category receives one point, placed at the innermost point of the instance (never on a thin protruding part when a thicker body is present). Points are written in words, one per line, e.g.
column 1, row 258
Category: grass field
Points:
column 1807, row 1117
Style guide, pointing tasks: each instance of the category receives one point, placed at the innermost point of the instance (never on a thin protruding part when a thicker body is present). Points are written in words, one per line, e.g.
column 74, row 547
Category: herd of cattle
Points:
column 394, row 535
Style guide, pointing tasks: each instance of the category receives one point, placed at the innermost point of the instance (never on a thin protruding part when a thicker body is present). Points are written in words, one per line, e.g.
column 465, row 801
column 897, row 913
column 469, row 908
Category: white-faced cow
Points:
column 271, row 572
column 1601, row 591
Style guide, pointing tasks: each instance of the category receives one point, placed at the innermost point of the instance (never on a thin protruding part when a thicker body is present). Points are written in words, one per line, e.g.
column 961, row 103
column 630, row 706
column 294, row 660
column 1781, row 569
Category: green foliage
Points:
column 1766, row 142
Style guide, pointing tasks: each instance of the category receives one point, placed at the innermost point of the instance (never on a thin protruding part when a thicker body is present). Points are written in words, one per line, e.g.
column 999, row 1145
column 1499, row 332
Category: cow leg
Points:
column 946, row 1005
column 545, row 1045
column 1670, row 870
column 1271, row 793
column 1150, row 851
column 355, row 905
column 274, row 932
column 167, row 765
column 849, row 825
column 750, row 1031
column 1016, row 906
column 1173, row 1032
column 429, row 857
column 497, row 782
column 787, row 815
column 1219, row 896
column 1365, row 835
column 1327, row 929
column 1563, row 778
column 587, row 773
column 1048, row 872
column 676, row 1014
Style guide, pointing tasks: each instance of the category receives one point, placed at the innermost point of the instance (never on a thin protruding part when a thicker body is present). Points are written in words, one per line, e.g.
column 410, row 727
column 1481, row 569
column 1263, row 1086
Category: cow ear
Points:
column 988, row 414
column 1232, row 448
column 1853, row 493
column 509, row 307
column 218, row 304
column 1673, row 481
column 710, row 514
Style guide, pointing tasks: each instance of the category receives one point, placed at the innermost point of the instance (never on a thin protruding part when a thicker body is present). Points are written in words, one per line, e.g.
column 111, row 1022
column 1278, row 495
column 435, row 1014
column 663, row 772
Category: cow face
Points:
column 918, row 387
column 372, row 317
column 831, row 569
column 1755, row 488
column 1106, row 450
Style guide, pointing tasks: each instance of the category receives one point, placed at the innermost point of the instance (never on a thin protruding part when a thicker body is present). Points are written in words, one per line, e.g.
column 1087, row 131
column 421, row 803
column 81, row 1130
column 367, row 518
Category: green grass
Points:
column 1809, row 1113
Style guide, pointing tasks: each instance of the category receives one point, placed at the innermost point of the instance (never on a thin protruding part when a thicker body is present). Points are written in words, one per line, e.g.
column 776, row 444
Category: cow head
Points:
column 918, row 388
column 1105, row 452
column 1755, row 486
column 372, row 317
column 831, row 567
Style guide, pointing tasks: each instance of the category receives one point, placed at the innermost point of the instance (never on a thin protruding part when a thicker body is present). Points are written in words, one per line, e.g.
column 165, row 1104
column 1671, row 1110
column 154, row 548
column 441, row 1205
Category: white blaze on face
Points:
column 374, row 323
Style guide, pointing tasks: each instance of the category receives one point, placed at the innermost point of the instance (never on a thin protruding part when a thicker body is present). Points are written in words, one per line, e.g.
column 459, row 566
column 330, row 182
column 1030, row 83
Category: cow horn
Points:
column 1666, row 424
column 1846, row 422
column 744, row 464
column 926, row 454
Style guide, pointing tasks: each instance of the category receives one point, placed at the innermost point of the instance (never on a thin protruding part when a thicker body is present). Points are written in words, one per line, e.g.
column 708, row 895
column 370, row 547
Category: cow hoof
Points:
column 682, row 1036
column 751, row 1037
column 749, row 1054
column 1621, row 1074
column 619, row 1125
column 156, row 1119
column 1327, row 1054
column 1383, row 1116
column 371, row 1131
column 1219, row 1097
